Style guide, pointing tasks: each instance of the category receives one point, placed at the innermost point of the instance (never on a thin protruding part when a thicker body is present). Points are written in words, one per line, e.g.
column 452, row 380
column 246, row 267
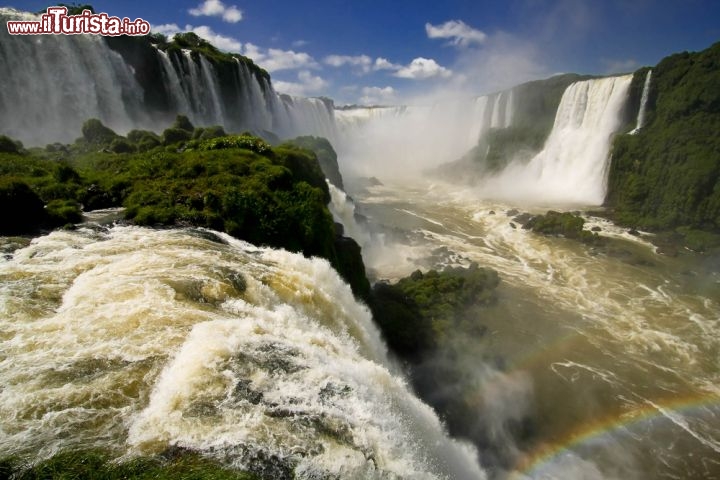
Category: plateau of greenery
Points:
column 666, row 177
column 417, row 313
column 563, row 224
column 239, row 184
column 98, row 465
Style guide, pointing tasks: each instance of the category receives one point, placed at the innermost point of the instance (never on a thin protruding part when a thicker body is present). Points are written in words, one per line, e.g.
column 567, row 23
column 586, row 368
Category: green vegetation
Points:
column 326, row 155
column 419, row 312
column 562, row 224
column 238, row 184
column 97, row 465
column 667, row 176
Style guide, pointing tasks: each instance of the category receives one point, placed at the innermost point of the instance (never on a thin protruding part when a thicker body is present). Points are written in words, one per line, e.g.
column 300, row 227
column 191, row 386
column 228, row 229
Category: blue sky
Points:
column 390, row 51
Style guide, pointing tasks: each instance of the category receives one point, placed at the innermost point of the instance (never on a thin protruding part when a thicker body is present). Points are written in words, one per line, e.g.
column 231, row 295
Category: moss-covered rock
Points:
column 419, row 312
column 563, row 224
column 95, row 133
column 326, row 155
column 174, row 135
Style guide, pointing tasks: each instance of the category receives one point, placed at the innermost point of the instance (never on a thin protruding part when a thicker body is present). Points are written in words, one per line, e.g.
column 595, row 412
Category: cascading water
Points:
column 643, row 104
column 54, row 83
column 135, row 340
column 572, row 166
column 51, row 84
column 429, row 135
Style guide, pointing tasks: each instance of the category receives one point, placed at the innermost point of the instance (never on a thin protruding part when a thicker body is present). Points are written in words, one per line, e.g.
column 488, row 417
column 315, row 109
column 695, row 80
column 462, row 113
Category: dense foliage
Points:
column 326, row 155
column 668, row 174
column 97, row 465
column 417, row 313
column 233, row 183
column 563, row 224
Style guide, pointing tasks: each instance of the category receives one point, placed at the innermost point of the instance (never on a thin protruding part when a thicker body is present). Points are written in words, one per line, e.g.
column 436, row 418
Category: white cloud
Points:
column 361, row 63
column 168, row 29
column 377, row 95
column 216, row 8
column 460, row 33
column 274, row 59
column 307, row 84
column 422, row 68
column 222, row 42
column 299, row 43
column 384, row 64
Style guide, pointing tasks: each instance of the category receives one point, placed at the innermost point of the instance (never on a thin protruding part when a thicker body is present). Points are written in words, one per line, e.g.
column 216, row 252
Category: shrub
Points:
column 8, row 145
column 94, row 132
column 175, row 135
column 21, row 209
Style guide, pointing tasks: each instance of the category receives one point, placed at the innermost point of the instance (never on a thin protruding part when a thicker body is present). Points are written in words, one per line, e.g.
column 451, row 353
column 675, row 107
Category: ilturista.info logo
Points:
column 56, row 21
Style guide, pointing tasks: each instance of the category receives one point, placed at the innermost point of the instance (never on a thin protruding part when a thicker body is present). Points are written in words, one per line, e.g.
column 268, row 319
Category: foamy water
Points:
column 135, row 340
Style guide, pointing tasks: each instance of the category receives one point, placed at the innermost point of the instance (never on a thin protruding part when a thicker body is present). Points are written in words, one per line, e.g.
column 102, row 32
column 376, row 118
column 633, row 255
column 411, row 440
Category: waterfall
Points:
column 51, row 84
column 134, row 340
column 643, row 104
column 174, row 85
column 509, row 110
column 478, row 119
column 210, row 80
column 306, row 116
column 496, row 121
column 572, row 167
column 343, row 211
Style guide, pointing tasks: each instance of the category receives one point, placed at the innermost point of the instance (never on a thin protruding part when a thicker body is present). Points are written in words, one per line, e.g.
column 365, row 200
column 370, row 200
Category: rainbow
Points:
column 670, row 409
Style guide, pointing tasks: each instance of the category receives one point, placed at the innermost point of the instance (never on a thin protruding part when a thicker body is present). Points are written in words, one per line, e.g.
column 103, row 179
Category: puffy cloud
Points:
column 384, row 64
column 362, row 61
column 362, row 64
column 377, row 95
column 222, row 42
column 274, row 59
column 307, row 84
column 168, row 29
column 216, row 8
column 458, row 32
column 422, row 68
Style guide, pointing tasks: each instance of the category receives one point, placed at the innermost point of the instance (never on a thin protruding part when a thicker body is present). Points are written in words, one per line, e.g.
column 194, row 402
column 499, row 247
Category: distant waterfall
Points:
column 429, row 135
column 572, row 167
column 643, row 104
column 51, row 84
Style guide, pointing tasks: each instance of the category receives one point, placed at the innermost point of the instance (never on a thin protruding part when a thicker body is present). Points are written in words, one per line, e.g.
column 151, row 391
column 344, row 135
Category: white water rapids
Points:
column 135, row 340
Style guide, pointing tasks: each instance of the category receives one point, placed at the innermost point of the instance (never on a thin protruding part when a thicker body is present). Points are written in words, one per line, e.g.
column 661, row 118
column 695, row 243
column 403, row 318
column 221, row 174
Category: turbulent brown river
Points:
column 134, row 340
column 614, row 352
